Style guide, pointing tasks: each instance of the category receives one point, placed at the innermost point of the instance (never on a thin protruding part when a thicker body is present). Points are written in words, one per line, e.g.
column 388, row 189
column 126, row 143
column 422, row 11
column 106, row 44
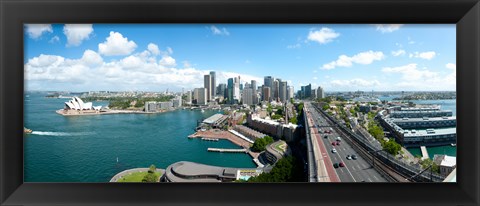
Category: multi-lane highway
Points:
column 359, row 170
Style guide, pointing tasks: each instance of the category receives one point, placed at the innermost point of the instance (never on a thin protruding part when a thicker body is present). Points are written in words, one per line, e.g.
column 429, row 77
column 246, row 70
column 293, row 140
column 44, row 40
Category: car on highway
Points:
column 354, row 157
column 341, row 164
column 334, row 143
column 334, row 150
column 325, row 136
column 335, row 165
column 349, row 157
column 338, row 139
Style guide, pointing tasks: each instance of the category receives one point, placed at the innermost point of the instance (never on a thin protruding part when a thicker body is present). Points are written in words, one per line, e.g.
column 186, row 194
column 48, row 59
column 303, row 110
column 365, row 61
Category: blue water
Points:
column 85, row 148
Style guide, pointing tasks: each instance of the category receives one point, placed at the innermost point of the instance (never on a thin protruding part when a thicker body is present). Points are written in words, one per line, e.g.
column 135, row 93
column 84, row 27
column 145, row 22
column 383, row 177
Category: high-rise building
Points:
column 221, row 90
column 207, row 84
column 275, row 90
column 236, row 90
column 213, row 78
column 254, row 91
column 266, row 93
column 189, row 97
column 177, row 102
column 195, row 95
column 320, row 93
column 302, row 92
column 308, row 91
column 202, row 96
column 268, row 81
column 314, row 94
column 247, row 96
column 290, row 93
column 231, row 85
column 282, row 91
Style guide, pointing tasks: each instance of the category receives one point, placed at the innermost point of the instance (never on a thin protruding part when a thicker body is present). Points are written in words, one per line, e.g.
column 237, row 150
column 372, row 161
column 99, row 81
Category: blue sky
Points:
column 154, row 57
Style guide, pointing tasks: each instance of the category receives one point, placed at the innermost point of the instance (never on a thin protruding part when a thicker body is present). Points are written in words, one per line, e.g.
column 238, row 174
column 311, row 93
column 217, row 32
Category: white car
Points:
column 339, row 139
column 334, row 150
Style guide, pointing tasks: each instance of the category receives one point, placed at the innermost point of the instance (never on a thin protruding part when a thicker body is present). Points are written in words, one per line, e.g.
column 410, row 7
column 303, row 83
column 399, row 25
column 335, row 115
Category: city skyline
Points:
column 176, row 57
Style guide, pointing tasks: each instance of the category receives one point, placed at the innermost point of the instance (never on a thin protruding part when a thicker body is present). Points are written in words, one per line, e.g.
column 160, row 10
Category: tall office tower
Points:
column 189, row 97
column 207, row 84
column 266, row 93
column 247, row 96
column 308, row 91
column 213, row 78
column 314, row 94
column 320, row 93
column 195, row 95
column 268, row 81
column 247, row 85
column 289, row 92
column 231, row 85
column 254, row 91
column 275, row 90
column 221, row 90
column 282, row 93
column 236, row 90
column 241, row 86
column 302, row 92
column 202, row 96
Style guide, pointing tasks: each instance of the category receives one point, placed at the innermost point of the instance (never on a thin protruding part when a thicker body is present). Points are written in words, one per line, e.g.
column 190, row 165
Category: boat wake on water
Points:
column 61, row 133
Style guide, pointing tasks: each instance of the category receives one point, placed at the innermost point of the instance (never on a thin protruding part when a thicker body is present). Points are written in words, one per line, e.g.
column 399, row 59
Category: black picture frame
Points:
column 464, row 13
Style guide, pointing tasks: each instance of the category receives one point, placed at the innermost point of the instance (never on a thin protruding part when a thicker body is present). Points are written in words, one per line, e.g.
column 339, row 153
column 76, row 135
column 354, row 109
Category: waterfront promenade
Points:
column 92, row 112
column 121, row 174
column 220, row 134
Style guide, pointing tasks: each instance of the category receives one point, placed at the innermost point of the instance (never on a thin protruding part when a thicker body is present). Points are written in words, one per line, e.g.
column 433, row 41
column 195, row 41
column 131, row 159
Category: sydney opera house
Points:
column 76, row 106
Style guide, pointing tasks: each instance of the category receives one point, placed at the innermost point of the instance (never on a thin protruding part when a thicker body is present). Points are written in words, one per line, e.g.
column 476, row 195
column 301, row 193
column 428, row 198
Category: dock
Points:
column 210, row 139
column 424, row 152
column 227, row 150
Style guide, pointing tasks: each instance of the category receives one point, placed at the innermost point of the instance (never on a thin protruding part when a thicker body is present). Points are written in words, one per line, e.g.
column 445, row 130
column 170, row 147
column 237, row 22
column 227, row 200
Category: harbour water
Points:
column 86, row 148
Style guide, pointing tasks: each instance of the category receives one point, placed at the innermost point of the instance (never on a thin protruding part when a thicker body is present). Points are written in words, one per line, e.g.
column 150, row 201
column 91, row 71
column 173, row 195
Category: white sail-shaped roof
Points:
column 80, row 102
column 87, row 105
column 70, row 105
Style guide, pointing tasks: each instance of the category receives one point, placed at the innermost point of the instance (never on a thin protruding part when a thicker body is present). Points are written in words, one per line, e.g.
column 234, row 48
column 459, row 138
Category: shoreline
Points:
column 83, row 113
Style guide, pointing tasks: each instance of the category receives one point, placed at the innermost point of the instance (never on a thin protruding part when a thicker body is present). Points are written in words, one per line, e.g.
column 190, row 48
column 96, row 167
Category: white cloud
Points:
column 91, row 58
column 168, row 61
column 223, row 76
column 387, row 28
column 219, row 31
column 116, row 45
column 76, row 33
column 169, row 50
column 54, row 40
column 354, row 83
column 410, row 72
column 154, row 49
column 399, row 52
column 361, row 58
column 451, row 66
column 322, row 36
column 34, row 31
column 423, row 55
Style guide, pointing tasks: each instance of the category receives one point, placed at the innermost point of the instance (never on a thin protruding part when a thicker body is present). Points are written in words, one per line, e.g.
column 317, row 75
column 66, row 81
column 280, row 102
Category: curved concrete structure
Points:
column 195, row 172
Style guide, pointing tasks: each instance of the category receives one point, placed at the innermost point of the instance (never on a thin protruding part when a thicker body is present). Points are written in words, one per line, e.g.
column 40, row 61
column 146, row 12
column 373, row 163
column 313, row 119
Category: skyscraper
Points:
column 207, row 84
column 231, row 85
column 236, row 90
column 254, row 91
column 213, row 78
column 247, row 96
column 189, row 97
column 268, row 81
column 282, row 93
column 275, row 90
column 290, row 92
column 221, row 90
column 308, row 91
column 320, row 93
column 202, row 96
column 266, row 93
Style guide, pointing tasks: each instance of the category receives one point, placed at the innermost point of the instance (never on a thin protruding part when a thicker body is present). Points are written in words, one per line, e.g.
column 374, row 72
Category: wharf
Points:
column 424, row 152
column 227, row 150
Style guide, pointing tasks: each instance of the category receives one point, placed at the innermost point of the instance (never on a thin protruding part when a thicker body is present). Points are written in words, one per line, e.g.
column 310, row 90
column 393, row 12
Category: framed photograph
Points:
column 230, row 102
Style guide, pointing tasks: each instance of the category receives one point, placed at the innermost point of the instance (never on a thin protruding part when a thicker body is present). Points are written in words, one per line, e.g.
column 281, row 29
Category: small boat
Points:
column 27, row 131
column 203, row 111
column 117, row 159
column 453, row 145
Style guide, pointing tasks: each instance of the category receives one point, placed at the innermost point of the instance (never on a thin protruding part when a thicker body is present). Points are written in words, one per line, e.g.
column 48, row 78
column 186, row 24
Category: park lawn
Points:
column 136, row 177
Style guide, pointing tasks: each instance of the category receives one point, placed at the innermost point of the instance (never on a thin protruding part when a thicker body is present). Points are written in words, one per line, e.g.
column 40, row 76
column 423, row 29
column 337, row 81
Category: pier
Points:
column 424, row 152
column 210, row 139
column 227, row 150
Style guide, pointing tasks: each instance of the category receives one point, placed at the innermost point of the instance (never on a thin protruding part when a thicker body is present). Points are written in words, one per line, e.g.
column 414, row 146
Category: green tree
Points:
column 150, row 177
column 391, row 147
column 326, row 107
column 260, row 143
column 152, row 169
column 287, row 169
column 293, row 120
column 276, row 116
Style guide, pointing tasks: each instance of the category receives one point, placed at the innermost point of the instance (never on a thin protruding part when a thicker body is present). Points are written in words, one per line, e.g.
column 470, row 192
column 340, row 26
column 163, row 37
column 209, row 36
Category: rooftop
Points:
column 213, row 118
column 429, row 132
